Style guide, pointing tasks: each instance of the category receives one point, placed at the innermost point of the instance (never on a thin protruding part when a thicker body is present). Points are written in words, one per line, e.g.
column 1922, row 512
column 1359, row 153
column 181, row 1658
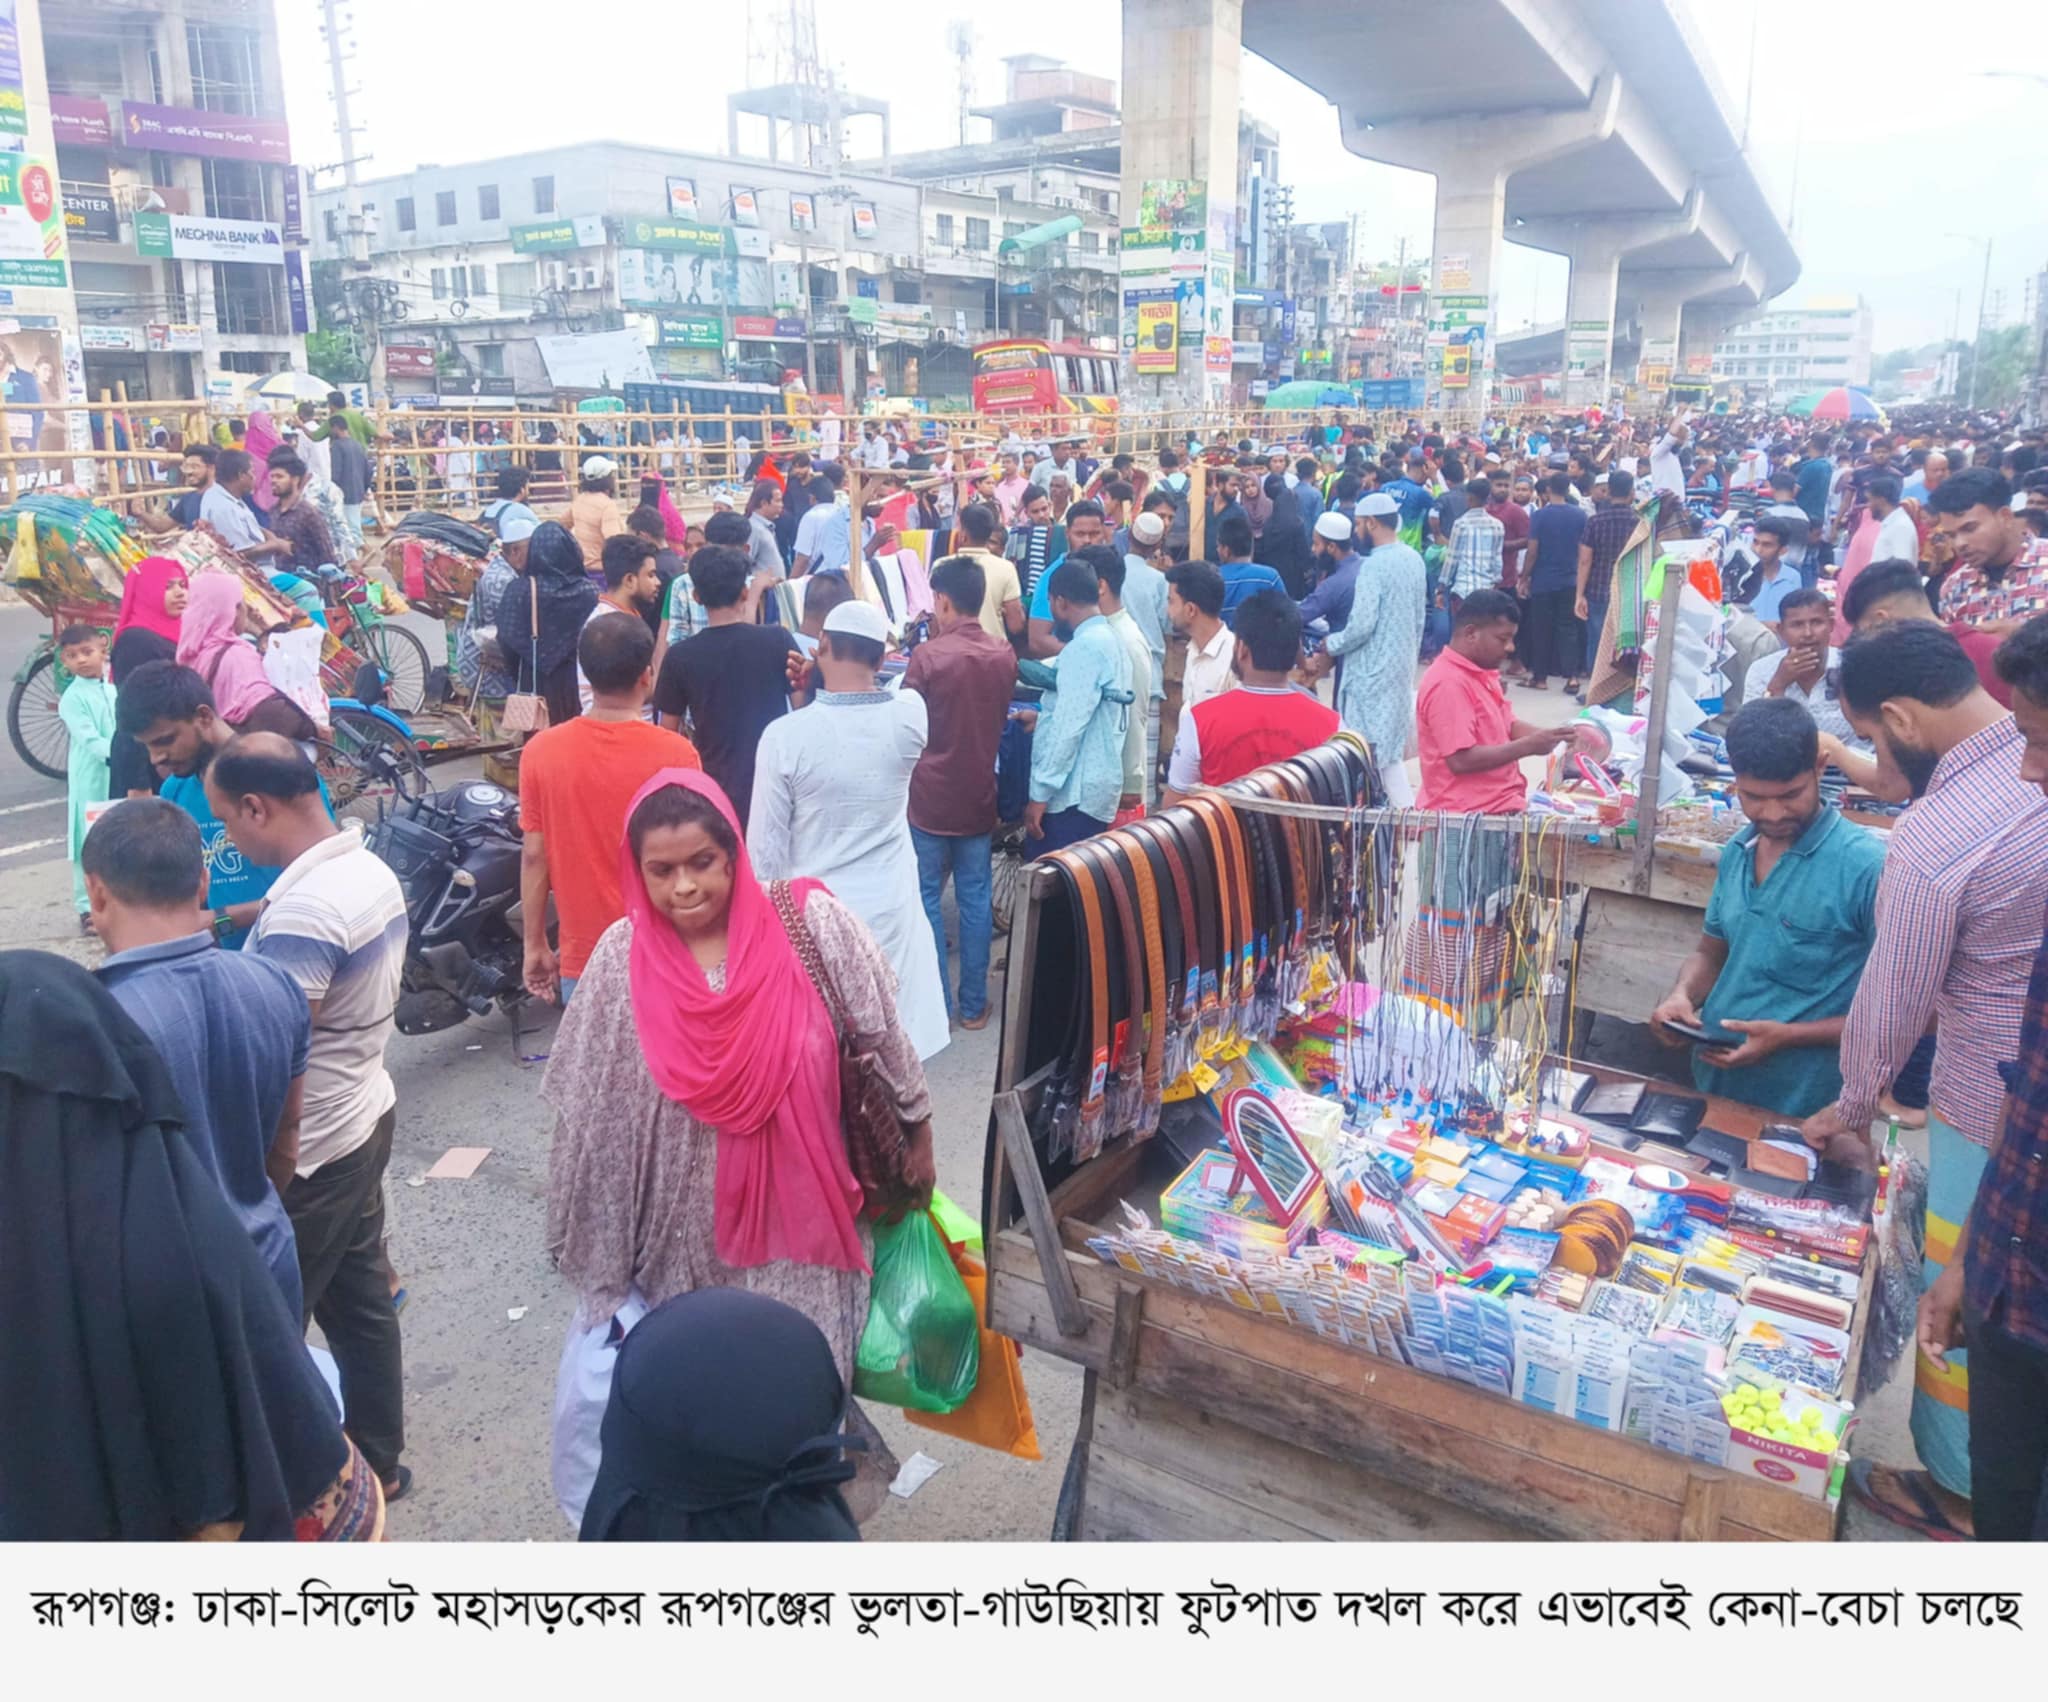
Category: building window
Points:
column 1091, row 242
column 332, row 219
column 942, row 230
column 543, row 194
column 407, row 218
column 977, row 235
column 479, row 280
column 227, row 68
column 515, row 285
column 490, row 360
column 438, row 283
column 487, row 201
column 444, row 206
column 248, row 300
column 84, row 65
column 234, row 189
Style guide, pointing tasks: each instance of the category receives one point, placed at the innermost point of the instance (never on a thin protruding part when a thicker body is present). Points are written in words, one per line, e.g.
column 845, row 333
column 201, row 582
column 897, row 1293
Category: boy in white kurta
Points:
column 832, row 803
column 87, row 711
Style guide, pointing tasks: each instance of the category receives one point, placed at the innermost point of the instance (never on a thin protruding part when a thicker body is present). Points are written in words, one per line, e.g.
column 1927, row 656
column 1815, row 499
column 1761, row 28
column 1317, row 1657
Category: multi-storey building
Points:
column 181, row 203
column 1787, row 350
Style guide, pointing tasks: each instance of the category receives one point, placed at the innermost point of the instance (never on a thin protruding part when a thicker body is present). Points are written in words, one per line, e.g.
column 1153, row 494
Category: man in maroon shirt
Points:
column 1514, row 518
column 965, row 677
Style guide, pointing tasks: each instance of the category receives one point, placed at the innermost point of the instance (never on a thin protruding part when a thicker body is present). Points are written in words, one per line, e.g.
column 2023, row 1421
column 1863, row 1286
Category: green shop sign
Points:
column 677, row 236
column 691, row 331
column 584, row 232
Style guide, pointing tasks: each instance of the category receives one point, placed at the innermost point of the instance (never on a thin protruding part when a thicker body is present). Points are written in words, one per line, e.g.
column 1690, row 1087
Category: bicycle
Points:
column 38, row 736
column 356, row 621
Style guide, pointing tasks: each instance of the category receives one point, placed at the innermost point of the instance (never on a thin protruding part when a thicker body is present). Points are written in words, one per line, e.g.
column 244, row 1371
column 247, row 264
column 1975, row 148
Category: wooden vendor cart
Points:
column 1202, row 1421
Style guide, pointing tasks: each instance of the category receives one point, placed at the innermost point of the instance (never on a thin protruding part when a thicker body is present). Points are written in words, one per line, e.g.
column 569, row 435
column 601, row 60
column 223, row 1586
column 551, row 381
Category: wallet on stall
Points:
column 1669, row 1117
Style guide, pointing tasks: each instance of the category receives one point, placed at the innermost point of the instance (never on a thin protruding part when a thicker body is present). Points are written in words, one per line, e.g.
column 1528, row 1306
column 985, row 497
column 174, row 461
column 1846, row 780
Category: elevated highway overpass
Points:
column 1591, row 128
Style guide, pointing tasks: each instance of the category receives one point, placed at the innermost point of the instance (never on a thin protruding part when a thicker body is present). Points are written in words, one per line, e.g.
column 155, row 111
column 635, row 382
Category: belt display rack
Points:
column 1188, row 936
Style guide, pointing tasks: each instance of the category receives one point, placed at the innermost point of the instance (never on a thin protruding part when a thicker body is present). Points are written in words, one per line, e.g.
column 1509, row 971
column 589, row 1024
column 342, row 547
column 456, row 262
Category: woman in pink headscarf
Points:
column 260, row 439
column 695, row 1082
column 152, row 607
column 210, row 642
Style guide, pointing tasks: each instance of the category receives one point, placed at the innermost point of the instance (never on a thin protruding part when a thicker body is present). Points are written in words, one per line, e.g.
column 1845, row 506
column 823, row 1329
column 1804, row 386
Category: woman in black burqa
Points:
column 723, row 1426
column 554, row 586
column 153, row 1383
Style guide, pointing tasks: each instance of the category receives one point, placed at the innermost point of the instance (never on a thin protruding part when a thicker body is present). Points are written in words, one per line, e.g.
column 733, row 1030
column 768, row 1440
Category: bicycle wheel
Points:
column 32, row 720
column 381, row 749
column 404, row 661
column 364, row 784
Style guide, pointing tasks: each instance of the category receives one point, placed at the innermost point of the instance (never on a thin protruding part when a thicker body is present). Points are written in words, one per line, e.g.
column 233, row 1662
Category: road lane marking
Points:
column 39, row 804
column 32, row 845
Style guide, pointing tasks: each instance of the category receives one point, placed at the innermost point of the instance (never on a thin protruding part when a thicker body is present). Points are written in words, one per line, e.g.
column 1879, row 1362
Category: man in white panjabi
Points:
column 832, row 803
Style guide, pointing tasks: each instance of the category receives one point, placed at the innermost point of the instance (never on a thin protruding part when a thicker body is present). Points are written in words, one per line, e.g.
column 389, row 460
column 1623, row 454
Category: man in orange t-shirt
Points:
column 575, row 782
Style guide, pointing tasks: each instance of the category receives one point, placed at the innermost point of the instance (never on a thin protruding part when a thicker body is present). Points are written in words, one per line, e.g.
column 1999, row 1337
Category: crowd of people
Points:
column 761, row 747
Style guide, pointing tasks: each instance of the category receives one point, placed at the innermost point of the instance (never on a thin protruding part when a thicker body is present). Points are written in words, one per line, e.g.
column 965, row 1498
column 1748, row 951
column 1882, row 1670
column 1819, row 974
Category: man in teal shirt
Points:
column 1793, row 916
column 1077, row 748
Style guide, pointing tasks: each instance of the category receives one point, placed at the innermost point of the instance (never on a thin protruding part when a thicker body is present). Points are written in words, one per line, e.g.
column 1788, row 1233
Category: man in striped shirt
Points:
column 1958, row 922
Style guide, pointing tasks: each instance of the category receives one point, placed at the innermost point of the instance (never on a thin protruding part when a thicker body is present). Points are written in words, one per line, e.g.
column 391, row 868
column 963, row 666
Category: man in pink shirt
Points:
column 1472, row 745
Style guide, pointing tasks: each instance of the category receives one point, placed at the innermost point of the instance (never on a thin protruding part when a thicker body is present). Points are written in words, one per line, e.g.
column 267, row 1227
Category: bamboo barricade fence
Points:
column 120, row 467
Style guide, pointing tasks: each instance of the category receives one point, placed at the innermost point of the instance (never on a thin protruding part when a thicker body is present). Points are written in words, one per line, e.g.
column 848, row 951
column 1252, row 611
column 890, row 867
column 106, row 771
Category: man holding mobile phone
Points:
column 1792, row 918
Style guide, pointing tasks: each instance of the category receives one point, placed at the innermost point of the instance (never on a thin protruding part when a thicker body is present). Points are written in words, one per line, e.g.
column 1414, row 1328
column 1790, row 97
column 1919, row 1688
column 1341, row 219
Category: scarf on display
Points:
column 757, row 1060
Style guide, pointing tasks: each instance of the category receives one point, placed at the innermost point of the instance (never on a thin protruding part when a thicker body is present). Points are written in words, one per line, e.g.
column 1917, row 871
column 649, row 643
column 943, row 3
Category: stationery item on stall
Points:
column 1798, row 1303
column 1205, row 1205
column 1649, row 1269
column 1810, row 1356
column 1843, row 1185
column 1672, row 1398
column 1785, row 1435
column 1703, row 1312
column 1538, row 1208
column 1628, row 1309
column 1594, row 1238
column 1523, row 1254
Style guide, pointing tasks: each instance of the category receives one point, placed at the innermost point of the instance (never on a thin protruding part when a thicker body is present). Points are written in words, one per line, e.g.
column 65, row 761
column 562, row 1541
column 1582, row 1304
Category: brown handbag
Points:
column 527, row 711
column 877, row 1148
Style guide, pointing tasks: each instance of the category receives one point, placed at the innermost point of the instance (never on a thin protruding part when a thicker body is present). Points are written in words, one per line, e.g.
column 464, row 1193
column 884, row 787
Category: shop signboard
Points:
column 677, row 236
column 33, row 250
column 89, row 216
column 689, row 331
column 222, row 135
column 788, row 329
column 1158, row 347
column 1216, row 354
column 79, row 121
column 553, row 234
column 409, row 360
column 13, row 93
column 682, row 197
column 165, row 339
column 109, row 339
column 758, row 327
column 185, row 236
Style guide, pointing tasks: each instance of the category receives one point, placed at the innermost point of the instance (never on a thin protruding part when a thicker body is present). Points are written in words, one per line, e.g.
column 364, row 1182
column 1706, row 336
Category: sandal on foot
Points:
column 1926, row 1516
column 399, row 1487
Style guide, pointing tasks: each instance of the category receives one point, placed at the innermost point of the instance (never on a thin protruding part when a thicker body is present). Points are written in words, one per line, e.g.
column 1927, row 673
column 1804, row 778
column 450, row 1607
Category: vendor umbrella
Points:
column 1840, row 403
column 289, row 387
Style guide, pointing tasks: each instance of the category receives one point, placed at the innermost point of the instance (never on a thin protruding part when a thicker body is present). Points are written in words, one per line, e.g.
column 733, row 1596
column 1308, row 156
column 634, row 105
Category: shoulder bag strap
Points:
column 806, row 944
column 533, row 620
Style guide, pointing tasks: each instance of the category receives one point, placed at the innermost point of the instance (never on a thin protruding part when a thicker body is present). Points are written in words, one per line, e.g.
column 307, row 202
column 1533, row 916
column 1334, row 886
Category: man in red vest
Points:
column 1264, row 719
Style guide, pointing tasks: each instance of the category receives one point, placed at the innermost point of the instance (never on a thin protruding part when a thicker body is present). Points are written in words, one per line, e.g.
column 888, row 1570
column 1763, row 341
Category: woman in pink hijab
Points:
column 695, row 1082
column 210, row 642
column 260, row 439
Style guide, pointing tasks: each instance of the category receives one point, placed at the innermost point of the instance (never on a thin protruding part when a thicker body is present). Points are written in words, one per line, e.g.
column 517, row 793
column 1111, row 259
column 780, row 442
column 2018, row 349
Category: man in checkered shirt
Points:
column 1472, row 559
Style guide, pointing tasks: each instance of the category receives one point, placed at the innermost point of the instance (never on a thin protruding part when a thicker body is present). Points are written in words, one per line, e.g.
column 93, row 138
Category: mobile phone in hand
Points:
column 1700, row 1035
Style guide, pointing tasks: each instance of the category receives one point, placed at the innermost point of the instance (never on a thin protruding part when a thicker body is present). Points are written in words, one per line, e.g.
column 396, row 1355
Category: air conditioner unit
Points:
column 904, row 262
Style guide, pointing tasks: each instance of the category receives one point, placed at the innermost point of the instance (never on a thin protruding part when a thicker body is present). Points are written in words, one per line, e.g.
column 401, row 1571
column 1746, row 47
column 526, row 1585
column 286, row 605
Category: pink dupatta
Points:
column 757, row 1061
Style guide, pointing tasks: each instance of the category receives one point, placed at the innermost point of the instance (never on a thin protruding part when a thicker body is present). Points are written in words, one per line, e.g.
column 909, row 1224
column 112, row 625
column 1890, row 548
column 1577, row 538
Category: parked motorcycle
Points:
column 456, row 855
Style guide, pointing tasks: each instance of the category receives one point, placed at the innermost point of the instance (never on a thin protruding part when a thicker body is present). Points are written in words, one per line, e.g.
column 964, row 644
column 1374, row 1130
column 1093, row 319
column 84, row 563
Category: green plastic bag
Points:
column 921, row 1346
column 955, row 1225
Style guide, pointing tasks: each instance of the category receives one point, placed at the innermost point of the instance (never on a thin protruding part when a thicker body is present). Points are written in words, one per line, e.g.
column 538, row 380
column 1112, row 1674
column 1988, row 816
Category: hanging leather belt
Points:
column 1086, row 1135
column 1235, row 973
column 1206, row 879
column 1126, row 1070
column 1154, row 994
column 1179, row 976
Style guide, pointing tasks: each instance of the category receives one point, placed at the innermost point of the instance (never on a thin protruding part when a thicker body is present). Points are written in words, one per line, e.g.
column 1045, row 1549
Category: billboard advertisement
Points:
column 187, row 130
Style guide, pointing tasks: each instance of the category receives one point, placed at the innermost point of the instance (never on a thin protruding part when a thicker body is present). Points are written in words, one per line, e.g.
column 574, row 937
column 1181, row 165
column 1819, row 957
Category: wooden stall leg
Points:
column 1699, row 1517
column 1067, row 1311
column 1129, row 1319
column 1070, row 1516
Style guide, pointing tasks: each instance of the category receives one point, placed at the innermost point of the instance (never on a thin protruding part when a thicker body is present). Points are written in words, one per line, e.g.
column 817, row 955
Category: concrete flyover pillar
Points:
column 1473, row 157
column 1596, row 248
column 1180, row 95
column 1661, row 300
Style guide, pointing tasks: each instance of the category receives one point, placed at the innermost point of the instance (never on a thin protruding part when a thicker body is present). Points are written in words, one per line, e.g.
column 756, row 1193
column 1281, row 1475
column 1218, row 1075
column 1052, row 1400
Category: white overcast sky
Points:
column 1901, row 155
